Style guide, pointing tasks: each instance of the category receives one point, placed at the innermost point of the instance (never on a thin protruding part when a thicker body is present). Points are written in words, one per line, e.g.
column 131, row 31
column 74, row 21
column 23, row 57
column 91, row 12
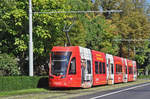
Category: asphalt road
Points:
column 141, row 91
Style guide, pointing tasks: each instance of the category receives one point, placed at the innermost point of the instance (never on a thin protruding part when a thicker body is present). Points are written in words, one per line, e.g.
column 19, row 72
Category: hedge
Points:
column 9, row 83
column 144, row 77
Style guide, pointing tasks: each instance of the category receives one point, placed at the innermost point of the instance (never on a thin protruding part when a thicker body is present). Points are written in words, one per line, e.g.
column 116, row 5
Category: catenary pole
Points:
column 30, row 40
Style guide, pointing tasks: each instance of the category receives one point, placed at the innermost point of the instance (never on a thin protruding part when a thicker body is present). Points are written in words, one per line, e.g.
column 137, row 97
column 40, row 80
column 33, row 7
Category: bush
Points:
column 8, row 65
column 9, row 83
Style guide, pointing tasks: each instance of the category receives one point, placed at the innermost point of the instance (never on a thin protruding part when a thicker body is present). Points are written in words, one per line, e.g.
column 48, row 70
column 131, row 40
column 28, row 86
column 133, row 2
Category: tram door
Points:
column 110, row 69
column 86, row 67
column 134, row 71
column 125, row 72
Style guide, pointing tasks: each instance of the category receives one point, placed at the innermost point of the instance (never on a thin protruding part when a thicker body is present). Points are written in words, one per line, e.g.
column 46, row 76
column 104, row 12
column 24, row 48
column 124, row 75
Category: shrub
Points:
column 8, row 65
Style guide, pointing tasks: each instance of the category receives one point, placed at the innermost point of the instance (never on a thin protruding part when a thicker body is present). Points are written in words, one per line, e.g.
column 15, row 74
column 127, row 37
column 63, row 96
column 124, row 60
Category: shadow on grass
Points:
column 43, row 83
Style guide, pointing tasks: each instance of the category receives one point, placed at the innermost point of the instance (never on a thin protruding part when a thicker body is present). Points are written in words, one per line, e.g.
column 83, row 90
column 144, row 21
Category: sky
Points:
column 148, row 1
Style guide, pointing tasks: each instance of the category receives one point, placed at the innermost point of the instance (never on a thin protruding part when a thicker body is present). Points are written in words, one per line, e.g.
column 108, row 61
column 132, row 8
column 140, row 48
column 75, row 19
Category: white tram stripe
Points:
column 120, row 91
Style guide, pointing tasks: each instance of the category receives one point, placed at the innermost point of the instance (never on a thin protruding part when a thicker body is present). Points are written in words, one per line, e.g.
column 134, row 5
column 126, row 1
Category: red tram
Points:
column 81, row 67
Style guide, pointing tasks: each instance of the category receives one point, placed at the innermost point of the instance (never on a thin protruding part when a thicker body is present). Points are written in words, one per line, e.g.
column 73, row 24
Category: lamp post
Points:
column 30, row 40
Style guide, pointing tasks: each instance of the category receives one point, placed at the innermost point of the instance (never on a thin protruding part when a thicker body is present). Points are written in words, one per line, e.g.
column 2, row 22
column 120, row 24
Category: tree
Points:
column 100, row 35
column 8, row 65
column 47, row 31
column 132, row 24
column 99, row 32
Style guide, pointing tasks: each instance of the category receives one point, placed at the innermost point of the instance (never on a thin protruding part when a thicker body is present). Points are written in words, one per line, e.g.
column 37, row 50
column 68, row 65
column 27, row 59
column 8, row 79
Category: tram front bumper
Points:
column 58, row 83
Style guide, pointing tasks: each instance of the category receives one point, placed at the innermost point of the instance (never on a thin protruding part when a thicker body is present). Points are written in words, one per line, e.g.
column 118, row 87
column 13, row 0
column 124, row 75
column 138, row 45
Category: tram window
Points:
column 72, row 69
column 103, row 68
column 126, row 69
column 112, row 69
column 107, row 65
column 118, row 68
column 130, row 70
column 89, row 66
column 134, row 70
column 100, row 68
column 96, row 67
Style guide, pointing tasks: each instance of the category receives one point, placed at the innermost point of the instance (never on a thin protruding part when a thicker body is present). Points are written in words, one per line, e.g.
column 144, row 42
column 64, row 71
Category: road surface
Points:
column 141, row 91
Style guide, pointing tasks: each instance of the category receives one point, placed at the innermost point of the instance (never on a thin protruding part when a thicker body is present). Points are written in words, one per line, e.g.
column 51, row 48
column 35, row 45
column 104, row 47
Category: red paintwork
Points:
column 118, row 77
column 99, row 79
column 69, row 80
column 130, row 64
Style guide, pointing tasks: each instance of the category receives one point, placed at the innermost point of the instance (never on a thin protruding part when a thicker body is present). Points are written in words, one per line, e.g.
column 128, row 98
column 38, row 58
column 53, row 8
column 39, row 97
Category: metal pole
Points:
column 68, row 38
column 134, row 52
column 30, row 41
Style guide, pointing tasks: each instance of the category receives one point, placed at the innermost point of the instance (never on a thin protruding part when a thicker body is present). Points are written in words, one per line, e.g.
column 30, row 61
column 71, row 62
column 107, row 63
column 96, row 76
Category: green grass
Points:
column 24, row 91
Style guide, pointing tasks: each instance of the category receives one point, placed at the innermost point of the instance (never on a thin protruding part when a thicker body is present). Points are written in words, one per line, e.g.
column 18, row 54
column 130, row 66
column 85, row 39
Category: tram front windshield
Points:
column 60, row 62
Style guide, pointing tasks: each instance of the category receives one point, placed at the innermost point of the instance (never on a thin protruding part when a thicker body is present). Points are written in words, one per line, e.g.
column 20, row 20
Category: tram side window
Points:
column 118, row 68
column 126, row 69
column 134, row 70
column 112, row 68
column 100, row 68
column 107, row 65
column 89, row 66
column 72, row 69
column 96, row 67
column 103, row 68
column 130, row 70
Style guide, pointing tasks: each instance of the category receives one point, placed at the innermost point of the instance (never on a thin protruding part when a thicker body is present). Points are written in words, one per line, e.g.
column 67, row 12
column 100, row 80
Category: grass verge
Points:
column 24, row 91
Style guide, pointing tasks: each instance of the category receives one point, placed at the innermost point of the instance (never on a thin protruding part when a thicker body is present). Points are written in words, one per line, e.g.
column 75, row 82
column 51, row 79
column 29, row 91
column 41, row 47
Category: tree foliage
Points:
column 8, row 65
column 46, row 29
column 132, row 23
column 98, row 31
